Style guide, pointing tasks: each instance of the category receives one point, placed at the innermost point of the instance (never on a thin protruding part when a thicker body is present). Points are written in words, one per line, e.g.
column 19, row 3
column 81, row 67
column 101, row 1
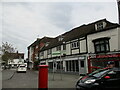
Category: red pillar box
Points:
column 43, row 76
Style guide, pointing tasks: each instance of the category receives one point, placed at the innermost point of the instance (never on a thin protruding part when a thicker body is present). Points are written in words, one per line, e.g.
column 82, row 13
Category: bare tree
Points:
column 7, row 49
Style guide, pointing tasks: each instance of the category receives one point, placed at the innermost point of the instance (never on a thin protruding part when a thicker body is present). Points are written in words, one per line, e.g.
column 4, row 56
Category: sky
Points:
column 22, row 22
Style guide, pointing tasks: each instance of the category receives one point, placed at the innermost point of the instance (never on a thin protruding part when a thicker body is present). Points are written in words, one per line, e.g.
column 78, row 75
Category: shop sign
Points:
column 82, row 58
column 108, row 56
column 105, row 56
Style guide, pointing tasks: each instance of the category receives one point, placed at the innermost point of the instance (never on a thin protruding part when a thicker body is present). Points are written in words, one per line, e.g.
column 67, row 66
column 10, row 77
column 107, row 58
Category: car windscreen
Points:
column 98, row 73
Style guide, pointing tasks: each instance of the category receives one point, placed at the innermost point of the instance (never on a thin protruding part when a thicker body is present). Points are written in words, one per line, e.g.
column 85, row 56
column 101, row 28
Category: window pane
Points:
column 107, row 47
column 64, row 47
column 75, row 45
column 101, row 42
column 102, row 47
column 98, row 48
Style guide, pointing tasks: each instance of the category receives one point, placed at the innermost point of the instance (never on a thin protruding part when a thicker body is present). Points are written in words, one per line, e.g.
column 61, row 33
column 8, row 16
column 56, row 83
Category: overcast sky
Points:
column 24, row 22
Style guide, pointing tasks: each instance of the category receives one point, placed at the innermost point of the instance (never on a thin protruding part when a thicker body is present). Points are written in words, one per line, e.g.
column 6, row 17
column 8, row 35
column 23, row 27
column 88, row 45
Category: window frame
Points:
column 101, row 45
column 99, row 26
column 75, row 45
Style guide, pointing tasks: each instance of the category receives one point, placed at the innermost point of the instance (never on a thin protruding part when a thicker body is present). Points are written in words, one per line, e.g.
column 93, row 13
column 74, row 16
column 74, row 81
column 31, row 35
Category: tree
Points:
column 7, row 49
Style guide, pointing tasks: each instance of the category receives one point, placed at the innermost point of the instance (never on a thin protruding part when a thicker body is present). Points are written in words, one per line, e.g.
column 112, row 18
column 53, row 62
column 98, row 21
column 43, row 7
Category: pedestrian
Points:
column 110, row 64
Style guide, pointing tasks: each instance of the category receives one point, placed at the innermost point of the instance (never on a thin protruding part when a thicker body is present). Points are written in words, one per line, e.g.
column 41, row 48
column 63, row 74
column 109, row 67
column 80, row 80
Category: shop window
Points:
column 75, row 45
column 101, row 45
column 77, row 66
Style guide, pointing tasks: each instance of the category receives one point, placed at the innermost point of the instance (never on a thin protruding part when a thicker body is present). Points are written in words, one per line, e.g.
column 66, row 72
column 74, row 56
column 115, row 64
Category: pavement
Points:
column 58, row 80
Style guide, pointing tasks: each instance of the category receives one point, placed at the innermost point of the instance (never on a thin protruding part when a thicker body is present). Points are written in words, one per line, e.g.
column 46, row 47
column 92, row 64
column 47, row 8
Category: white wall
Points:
column 68, row 51
column 45, row 54
column 113, row 34
column 75, row 51
column 118, row 38
column 83, row 46
column 54, row 50
column 15, row 61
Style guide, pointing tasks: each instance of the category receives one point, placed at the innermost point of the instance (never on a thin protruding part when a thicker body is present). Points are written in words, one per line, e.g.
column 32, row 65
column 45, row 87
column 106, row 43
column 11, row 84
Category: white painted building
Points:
column 15, row 62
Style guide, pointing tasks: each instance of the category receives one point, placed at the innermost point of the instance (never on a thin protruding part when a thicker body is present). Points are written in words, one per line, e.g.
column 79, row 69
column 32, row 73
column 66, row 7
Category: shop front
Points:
column 100, row 61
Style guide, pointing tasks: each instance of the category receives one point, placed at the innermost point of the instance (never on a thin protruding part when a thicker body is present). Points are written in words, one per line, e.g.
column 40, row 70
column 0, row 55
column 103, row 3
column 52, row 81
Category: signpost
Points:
column 58, row 53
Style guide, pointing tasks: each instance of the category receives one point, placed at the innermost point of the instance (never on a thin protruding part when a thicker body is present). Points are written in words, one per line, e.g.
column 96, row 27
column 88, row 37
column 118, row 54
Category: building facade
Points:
column 34, row 49
column 72, row 51
column 17, row 58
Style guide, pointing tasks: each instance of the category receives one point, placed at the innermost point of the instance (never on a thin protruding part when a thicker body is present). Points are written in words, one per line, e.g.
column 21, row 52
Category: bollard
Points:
column 43, row 76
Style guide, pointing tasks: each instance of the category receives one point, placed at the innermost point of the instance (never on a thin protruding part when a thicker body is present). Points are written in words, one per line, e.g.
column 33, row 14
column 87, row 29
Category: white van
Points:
column 21, row 68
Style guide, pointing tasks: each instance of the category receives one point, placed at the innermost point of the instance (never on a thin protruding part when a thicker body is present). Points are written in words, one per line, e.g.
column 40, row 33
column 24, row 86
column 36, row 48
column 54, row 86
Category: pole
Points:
column 53, row 69
column 60, row 66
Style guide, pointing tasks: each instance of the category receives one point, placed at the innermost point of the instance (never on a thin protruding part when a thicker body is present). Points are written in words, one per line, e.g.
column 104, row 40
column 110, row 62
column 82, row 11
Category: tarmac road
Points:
column 30, row 80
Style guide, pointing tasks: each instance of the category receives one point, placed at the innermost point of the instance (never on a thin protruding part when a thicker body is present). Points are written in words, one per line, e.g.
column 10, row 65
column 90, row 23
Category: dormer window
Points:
column 100, row 26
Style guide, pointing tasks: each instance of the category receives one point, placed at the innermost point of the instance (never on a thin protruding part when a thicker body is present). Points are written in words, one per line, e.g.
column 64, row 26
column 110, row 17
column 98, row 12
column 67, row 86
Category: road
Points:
column 11, row 79
column 19, row 80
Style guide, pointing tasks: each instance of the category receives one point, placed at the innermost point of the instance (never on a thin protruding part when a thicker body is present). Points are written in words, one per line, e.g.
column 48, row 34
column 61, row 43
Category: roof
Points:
column 17, row 55
column 43, row 40
column 79, row 32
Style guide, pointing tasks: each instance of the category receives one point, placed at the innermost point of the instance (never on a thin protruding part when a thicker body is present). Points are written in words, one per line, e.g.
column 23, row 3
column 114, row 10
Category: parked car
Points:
column 22, row 68
column 100, row 79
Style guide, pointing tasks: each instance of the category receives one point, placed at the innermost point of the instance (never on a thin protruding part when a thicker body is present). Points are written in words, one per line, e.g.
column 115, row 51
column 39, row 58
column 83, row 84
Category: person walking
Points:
column 110, row 64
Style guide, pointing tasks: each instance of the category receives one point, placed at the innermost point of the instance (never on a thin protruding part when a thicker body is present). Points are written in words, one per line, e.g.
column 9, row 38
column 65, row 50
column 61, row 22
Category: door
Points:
column 82, row 67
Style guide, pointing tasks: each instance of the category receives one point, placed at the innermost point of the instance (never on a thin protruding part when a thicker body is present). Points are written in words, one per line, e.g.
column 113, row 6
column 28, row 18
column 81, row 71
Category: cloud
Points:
column 23, row 22
column 89, row 12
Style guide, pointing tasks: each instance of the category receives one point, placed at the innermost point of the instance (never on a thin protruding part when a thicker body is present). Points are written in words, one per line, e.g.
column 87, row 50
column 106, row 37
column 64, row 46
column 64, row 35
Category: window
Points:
column 58, row 48
column 42, row 53
column 49, row 51
column 99, row 26
column 101, row 45
column 74, row 45
column 64, row 47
